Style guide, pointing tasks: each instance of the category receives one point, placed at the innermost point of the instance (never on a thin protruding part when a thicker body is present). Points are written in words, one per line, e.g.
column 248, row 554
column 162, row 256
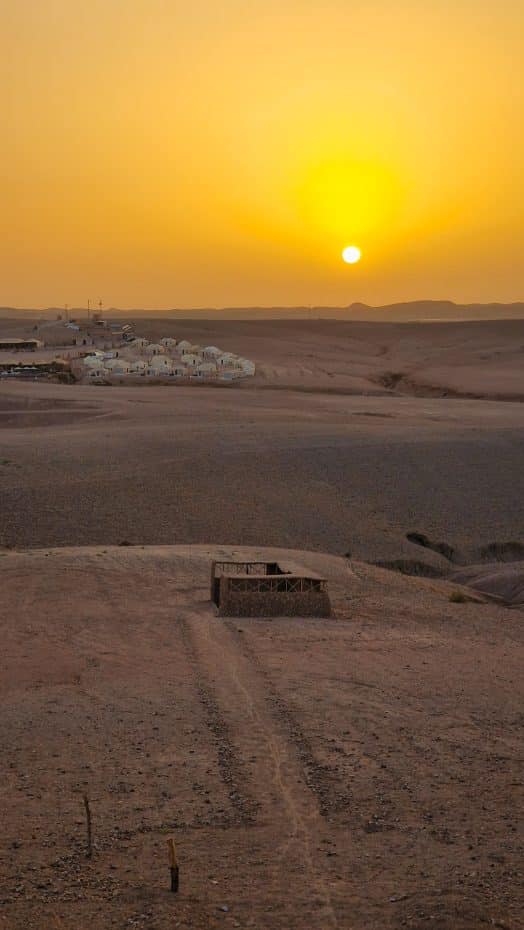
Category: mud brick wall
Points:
column 279, row 604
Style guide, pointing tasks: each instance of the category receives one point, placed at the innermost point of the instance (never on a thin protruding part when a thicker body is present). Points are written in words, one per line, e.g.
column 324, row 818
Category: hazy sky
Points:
column 165, row 153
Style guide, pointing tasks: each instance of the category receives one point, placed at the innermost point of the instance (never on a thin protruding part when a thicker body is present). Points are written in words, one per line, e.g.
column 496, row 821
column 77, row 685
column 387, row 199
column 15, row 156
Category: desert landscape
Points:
column 261, row 465
column 360, row 771
column 348, row 437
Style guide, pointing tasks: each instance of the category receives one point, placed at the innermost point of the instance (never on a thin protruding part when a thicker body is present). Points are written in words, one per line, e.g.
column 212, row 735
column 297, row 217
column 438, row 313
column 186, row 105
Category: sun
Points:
column 351, row 254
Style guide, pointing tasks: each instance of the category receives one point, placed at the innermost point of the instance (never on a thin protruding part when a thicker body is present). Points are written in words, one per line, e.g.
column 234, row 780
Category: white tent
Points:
column 206, row 370
column 161, row 363
column 183, row 346
column 98, row 373
column 137, row 365
column 190, row 360
column 154, row 348
column 247, row 366
column 211, row 352
column 119, row 366
column 226, row 360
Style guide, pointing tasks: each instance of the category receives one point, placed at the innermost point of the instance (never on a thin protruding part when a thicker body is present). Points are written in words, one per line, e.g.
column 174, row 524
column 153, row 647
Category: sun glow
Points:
column 373, row 147
column 351, row 254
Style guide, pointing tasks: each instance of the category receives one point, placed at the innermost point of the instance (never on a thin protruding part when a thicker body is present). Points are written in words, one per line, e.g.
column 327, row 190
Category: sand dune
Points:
column 504, row 581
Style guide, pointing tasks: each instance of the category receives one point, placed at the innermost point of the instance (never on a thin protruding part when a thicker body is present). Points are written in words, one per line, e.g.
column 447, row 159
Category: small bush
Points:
column 457, row 597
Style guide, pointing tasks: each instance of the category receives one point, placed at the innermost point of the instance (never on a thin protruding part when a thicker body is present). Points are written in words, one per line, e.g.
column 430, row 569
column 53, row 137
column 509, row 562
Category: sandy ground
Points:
column 92, row 465
column 484, row 359
column 357, row 772
column 478, row 359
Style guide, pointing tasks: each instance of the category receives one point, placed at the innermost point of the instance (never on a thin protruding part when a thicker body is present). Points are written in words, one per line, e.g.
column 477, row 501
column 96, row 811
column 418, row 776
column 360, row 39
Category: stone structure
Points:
column 263, row 589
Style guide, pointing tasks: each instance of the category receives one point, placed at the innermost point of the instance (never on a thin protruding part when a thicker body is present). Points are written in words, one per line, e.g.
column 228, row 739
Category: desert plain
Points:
column 357, row 772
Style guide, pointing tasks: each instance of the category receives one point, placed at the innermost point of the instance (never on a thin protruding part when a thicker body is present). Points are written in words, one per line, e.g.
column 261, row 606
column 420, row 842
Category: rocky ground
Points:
column 361, row 771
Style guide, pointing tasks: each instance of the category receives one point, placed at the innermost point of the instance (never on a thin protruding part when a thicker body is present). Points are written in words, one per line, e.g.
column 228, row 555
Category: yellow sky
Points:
column 161, row 153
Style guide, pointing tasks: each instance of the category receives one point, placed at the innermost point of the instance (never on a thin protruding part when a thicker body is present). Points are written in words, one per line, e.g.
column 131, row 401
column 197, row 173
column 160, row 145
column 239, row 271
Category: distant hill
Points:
column 409, row 311
column 435, row 310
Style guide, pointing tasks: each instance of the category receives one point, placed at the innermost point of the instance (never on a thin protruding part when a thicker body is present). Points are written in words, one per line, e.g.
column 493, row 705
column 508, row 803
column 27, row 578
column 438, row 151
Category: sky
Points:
column 161, row 153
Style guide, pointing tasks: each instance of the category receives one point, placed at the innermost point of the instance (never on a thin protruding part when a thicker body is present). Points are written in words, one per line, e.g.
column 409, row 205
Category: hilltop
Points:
column 356, row 771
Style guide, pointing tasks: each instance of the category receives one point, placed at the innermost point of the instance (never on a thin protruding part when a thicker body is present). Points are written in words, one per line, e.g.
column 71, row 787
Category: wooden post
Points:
column 173, row 865
column 89, row 852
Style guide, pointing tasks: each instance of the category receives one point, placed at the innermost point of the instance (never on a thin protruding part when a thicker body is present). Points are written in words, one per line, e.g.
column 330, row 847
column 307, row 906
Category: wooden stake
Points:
column 173, row 865
column 89, row 851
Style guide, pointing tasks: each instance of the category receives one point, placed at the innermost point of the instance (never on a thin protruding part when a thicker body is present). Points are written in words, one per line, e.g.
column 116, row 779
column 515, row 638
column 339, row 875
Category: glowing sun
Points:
column 351, row 254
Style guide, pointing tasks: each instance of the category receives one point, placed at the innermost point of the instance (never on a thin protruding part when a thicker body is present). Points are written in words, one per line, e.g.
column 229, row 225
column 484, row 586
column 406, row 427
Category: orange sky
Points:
column 161, row 153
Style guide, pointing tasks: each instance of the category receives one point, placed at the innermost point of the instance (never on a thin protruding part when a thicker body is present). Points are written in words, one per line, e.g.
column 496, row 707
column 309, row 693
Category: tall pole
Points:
column 88, row 308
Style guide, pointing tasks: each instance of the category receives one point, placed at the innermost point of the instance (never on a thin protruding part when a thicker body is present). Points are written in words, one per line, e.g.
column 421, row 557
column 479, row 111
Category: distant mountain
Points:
column 436, row 310
column 406, row 312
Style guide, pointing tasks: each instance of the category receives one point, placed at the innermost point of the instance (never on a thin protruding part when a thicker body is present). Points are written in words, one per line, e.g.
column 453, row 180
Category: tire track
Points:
column 332, row 795
column 229, row 764
column 276, row 778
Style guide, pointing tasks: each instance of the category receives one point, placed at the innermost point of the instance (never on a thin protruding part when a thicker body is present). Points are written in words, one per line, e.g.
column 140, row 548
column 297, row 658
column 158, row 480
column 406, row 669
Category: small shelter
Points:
column 183, row 346
column 190, row 360
column 226, row 360
column 155, row 348
column 137, row 366
column 206, row 370
column 161, row 363
column 20, row 345
column 211, row 352
column 264, row 589
column 117, row 366
column 246, row 365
